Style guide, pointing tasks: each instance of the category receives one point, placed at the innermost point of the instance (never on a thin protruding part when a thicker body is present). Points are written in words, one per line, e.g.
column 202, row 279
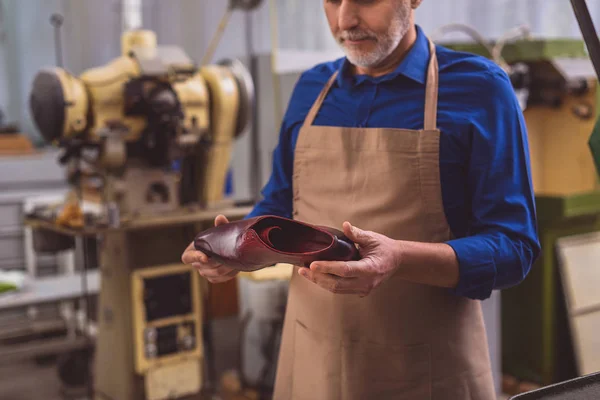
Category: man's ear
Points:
column 415, row 3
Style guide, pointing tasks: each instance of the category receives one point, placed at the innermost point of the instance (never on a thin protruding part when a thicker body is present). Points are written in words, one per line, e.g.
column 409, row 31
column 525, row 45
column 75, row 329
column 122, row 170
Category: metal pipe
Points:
column 256, row 162
column 586, row 25
column 132, row 14
column 57, row 20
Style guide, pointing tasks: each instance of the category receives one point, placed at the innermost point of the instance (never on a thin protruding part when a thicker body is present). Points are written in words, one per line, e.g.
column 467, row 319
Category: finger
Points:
column 220, row 271
column 355, row 234
column 221, row 219
column 332, row 283
column 194, row 256
column 344, row 269
column 210, row 264
column 221, row 278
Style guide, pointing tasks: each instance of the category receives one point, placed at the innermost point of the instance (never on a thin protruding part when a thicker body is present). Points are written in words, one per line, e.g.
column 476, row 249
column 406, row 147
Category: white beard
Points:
column 385, row 43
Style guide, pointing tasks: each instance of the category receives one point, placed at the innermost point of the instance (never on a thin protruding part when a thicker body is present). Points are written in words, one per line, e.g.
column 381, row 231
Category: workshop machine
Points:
column 147, row 140
column 149, row 132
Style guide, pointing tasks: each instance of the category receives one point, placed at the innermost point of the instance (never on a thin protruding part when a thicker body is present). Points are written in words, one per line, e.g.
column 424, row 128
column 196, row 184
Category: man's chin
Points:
column 361, row 60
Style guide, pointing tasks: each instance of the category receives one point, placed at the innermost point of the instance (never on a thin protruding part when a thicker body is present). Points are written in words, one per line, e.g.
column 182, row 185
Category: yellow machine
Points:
column 149, row 132
column 147, row 138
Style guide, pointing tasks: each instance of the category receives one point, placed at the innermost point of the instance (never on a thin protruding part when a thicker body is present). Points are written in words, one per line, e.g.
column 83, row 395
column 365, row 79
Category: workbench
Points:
column 139, row 245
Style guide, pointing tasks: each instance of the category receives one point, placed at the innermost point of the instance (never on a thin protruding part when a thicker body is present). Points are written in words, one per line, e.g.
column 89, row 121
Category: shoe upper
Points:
column 259, row 242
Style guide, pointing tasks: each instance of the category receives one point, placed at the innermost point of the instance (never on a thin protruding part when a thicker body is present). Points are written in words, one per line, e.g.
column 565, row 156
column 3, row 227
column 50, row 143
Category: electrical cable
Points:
column 245, row 5
column 495, row 51
column 214, row 42
column 469, row 30
column 520, row 32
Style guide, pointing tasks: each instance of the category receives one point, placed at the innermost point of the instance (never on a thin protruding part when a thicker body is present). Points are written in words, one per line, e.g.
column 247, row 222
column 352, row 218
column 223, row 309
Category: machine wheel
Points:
column 245, row 85
column 74, row 368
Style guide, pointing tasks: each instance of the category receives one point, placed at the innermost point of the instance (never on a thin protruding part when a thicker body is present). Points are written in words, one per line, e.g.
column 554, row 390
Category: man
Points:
column 420, row 154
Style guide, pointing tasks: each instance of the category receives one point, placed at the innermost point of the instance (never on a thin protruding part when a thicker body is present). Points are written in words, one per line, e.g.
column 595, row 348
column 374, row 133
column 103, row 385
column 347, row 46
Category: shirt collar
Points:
column 414, row 66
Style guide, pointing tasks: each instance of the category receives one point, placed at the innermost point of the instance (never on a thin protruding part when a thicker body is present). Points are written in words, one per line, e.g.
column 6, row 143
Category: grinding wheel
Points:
column 245, row 86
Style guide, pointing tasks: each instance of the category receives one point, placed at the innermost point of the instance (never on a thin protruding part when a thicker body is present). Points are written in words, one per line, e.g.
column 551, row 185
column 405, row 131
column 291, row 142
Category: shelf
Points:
column 50, row 290
column 178, row 218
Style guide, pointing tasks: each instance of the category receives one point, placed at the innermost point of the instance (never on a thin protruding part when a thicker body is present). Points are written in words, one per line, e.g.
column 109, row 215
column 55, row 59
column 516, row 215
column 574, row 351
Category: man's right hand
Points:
column 213, row 271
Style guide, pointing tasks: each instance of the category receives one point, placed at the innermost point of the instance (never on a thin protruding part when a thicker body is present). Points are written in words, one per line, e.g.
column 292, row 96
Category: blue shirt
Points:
column 484, row 160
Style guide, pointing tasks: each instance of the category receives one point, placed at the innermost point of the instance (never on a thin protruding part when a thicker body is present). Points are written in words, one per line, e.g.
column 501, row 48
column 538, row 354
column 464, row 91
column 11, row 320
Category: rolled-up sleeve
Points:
column 502, row 242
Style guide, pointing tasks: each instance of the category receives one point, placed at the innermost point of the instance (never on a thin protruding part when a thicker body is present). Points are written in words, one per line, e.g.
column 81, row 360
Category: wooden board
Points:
column 587, row 328
column 579, row 264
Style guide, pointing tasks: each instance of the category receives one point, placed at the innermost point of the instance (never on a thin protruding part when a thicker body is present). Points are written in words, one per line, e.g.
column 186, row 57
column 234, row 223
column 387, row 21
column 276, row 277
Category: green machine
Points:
column 561, row 102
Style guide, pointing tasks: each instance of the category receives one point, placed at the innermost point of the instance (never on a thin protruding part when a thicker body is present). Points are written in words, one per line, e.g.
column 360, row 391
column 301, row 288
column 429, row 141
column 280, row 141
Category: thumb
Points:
column 355, row 234
column 221, row 219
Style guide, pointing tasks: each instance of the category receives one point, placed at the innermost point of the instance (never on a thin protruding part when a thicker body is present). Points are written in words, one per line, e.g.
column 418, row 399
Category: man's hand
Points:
column 213, row 271
column 380, row 259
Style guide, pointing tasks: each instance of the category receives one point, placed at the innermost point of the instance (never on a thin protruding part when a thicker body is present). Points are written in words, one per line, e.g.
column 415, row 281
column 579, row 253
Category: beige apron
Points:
column 404, row 340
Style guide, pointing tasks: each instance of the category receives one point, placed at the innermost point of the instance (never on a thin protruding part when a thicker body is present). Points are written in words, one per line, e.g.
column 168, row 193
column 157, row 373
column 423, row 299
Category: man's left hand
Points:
column 380, row 258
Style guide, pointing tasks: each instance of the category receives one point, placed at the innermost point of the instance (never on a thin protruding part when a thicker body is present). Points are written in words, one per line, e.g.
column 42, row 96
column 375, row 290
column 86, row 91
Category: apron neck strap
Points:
column 431, row 90
column 431, row 93
column 312, row 114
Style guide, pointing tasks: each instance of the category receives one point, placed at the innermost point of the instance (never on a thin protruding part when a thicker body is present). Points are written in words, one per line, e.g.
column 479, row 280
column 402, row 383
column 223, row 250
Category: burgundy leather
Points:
column 255, row 243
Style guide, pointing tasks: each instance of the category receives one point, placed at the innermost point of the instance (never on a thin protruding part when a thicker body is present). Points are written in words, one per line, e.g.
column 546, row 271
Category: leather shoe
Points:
column 259, row 242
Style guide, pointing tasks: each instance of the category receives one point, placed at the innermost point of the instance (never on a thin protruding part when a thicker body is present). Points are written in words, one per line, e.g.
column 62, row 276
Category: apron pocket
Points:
column 317, row 368
column 375, row 371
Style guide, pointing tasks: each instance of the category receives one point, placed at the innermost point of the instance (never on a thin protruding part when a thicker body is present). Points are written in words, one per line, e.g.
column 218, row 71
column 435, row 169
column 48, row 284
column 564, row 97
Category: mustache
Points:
column 356, row 34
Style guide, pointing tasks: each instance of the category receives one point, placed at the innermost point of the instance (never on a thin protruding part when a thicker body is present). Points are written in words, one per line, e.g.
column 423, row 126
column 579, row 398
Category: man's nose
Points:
column 348, row 17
